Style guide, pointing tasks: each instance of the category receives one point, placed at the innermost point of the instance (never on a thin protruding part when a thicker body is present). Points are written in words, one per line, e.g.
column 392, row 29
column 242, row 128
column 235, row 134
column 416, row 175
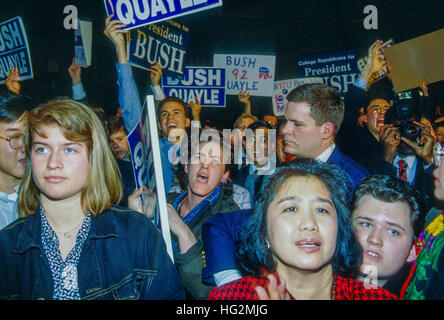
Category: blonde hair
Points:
column 79, row 123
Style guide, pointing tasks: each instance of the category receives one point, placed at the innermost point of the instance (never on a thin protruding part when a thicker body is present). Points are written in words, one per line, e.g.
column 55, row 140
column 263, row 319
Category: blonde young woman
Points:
column 72, row 241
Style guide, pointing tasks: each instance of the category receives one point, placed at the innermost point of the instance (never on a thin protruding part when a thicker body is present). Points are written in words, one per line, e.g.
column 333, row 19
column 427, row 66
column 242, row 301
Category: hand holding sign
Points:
column 11, row 81
column 196, row 107
column 75, row 72
column 155, row 74
column 114, row 33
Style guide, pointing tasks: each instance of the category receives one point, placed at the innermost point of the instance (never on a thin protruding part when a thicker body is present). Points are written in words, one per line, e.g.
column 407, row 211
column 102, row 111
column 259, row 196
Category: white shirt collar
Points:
column 323, row 157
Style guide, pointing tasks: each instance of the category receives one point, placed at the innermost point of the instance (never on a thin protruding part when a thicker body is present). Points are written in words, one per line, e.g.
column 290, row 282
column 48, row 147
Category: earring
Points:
column 267, row 244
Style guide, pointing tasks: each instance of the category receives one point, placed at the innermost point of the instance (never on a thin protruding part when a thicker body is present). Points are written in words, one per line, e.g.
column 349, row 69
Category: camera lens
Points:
column 413, row 130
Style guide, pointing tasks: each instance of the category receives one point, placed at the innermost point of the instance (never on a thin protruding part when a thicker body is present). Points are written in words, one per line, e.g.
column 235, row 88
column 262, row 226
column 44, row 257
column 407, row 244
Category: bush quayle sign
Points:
column 252, row 73
column 205, row 83
column 283, row 87
column 145, row 154
column 14, row 49
column 337, row 69
column 165, row 42
column 136, row 13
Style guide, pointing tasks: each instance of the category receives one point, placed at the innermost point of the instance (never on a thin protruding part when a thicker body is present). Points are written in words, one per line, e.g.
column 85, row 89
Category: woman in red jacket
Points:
column 299, row 243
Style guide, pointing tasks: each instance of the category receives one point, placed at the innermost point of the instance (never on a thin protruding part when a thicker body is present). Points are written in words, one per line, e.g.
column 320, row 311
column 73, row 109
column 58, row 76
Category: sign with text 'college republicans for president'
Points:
column 165, row 42
column 204, row 83
column 136, row 13
column 14, row 49
column 337, row 69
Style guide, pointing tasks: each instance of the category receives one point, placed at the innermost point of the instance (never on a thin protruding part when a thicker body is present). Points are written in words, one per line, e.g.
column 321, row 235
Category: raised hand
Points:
column 424, row 147
column 196, row 108
column 375, row 62
column 11, row 81
column 155, row 74
column 117, row 37
column 389, row 137
column 244, row 98
column 75, row 72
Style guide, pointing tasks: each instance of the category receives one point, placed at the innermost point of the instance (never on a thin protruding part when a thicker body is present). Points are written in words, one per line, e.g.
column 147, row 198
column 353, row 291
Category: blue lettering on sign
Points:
column 136, row 13
column 242, row 62
column 14, row 50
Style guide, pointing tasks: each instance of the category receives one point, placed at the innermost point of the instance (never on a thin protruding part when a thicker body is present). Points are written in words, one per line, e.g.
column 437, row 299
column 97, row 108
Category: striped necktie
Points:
column 402, row 170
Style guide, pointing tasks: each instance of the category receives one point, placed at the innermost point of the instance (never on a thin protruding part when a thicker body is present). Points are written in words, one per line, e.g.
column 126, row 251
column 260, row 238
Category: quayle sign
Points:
column 14, row 49
column 136, row 13
column 205, row 83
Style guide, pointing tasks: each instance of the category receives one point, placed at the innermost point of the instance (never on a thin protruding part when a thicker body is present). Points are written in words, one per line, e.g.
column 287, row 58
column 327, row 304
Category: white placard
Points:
column 252, row 73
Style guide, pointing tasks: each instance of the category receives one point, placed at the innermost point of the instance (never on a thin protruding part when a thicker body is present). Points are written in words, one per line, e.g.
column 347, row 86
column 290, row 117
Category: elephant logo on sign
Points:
column 264, row 73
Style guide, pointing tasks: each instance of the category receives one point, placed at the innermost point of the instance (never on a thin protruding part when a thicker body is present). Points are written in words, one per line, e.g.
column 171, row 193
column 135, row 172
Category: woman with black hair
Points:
column 299, row 243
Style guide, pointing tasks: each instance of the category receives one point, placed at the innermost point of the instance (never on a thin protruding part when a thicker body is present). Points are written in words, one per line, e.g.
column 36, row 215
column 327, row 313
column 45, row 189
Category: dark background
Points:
column 285, row 28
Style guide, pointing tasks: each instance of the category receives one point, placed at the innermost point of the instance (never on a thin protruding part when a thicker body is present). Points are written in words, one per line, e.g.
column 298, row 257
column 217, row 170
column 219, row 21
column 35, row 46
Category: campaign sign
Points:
column 337, row 69
column 205, row 83
column 165, row 42
column 252, row 73
column 136, row 13
column 83, row 43
column 14, row 49
column 147, row 165
column 283, row 87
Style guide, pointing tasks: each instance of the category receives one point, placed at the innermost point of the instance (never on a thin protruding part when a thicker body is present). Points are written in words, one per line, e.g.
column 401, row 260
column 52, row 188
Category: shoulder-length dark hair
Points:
column 252, row 251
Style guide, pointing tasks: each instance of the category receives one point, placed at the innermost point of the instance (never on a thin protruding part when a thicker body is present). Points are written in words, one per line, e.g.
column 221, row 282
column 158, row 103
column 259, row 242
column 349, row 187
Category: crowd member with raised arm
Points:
column 72, row 241
column 174, row 116
column 380, row 147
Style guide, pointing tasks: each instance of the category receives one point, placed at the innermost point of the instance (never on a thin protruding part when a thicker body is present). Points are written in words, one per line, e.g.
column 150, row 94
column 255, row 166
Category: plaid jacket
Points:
column 346, row 289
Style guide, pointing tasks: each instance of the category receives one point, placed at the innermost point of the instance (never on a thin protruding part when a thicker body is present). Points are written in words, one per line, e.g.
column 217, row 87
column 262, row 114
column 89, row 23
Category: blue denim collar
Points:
column 102, row 226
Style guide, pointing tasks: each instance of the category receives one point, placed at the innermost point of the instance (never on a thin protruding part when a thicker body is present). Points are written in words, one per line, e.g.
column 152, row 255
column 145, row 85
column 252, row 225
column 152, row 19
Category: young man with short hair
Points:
column 313, row 117
column 386, row 218
column 13, row 111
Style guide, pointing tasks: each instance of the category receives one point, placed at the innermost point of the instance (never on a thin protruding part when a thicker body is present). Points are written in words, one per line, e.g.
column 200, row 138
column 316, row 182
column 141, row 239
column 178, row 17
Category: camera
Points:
column 402, row 112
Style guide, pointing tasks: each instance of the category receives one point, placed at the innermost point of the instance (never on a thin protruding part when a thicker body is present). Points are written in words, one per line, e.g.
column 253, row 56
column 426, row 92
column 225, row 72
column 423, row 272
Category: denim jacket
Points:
column 123, row 257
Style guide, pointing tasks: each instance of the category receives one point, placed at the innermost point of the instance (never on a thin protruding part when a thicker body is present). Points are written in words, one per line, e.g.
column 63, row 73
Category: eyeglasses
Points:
column 438, row 153
column 15, row 142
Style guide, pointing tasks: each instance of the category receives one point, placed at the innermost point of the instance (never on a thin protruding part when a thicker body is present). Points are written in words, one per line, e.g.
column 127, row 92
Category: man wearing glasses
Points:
column 13, row 111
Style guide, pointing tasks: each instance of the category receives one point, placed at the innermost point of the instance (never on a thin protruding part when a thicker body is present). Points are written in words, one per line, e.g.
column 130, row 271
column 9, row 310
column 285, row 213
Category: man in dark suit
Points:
column 379, row 146
column 313, row 117
column 260, row 149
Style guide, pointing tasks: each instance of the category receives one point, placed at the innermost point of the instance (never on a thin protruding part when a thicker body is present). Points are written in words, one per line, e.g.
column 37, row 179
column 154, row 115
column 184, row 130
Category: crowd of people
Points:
column 338, row 200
